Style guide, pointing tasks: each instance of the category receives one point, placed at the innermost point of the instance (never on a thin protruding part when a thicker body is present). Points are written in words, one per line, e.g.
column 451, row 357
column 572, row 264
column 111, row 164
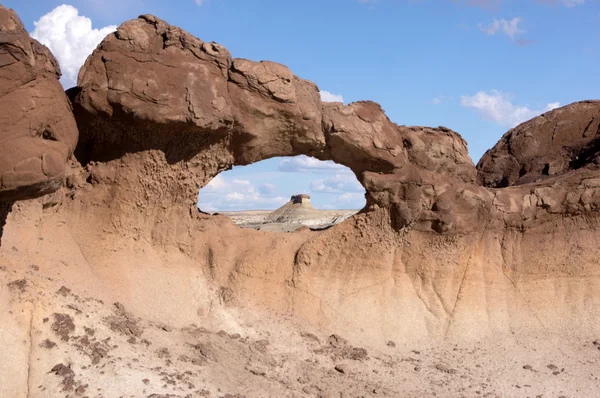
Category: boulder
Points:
column 37, row 128
column 563, row 139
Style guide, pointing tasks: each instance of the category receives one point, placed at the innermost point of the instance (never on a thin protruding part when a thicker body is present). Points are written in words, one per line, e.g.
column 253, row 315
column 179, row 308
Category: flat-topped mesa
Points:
column 296, row 210
column 300, row 211
column 300, row 199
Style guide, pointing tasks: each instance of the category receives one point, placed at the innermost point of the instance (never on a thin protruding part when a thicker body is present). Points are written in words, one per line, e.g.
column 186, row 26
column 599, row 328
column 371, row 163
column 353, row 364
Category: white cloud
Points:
column 198, row 2
column 497, row 106
column 338, row 183
column 509, row 28
column 217, row 184
column 326, row 96
column 350, row 200
column 70, row 37
column 223, row 195
column 306, row 164
column 235, row 197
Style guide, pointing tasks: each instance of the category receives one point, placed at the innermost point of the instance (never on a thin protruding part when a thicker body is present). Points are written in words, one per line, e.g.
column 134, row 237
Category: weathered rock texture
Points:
column 434, row 257
column 161, row 113
column 152, row 87
column 558, row 141
column 37, row 129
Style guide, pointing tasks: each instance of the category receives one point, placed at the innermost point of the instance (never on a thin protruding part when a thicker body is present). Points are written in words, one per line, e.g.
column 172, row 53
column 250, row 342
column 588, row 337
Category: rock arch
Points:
column 161, row 112
column 152, row 87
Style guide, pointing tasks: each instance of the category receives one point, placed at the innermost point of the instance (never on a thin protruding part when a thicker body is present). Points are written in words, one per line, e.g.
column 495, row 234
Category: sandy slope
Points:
column 109, row 351
column 274, row 342
column 313, row 219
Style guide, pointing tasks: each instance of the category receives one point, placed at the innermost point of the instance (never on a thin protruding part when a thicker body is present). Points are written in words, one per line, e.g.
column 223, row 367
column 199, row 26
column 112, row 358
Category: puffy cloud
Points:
column 198, row 2
column 326, row 96
column 217, row 184
column 70, row 37
column 509, row 28
column 338, row 183
column 223, row 195
column 350, row 200
column 306, row 164
column 497, row 106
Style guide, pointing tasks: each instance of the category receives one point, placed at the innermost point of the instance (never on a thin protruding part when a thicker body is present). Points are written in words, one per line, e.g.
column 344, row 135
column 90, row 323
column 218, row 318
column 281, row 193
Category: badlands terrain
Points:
column 297, row 213
column 455, row 280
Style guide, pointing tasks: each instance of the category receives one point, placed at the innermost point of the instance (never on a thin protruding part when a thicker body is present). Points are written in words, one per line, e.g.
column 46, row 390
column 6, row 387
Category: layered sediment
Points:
column 443, row 252
column 298, row 212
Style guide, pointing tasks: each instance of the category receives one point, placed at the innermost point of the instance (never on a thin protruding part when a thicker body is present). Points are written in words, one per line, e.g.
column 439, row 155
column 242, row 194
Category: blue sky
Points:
column 476, row 66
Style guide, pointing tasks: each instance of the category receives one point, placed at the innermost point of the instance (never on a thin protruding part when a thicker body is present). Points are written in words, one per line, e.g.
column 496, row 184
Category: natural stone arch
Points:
column 193, row 110
column 143, row 157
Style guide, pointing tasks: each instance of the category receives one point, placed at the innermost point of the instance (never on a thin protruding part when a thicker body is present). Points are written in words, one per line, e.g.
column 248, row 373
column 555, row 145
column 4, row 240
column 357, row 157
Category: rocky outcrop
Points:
column 161, row 113
column 37, row 129
column 435, row 256
column 153, row 87
column 558, row 141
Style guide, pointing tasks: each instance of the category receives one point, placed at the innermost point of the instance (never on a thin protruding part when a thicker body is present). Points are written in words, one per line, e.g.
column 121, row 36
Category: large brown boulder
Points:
column 563, row 139
column 37, row 129
column 150, row 75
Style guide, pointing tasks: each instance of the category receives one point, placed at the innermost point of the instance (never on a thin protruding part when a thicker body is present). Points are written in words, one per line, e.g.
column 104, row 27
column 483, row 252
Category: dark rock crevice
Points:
column 5, row 208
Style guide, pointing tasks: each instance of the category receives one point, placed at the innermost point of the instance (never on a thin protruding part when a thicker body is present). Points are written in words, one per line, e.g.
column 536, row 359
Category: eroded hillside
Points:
column 438, row 262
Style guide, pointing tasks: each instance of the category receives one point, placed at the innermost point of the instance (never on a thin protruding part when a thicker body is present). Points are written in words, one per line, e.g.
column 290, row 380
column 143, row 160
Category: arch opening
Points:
column 282, row 194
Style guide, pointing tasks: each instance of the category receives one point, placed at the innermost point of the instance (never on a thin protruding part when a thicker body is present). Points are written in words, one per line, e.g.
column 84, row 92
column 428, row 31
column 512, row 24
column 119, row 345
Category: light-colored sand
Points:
column 312, row 218
column 172, row 308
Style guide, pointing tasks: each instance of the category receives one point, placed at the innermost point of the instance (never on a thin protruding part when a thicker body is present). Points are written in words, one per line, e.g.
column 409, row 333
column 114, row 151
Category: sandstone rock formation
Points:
column 37, row 129
column 558, row 141
column 297, row 207
column 152, row 87
column 435, row 259
column 149, row 141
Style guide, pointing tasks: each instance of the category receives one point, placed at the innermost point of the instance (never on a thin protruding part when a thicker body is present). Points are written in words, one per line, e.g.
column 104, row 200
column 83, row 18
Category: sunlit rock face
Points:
column 161, row 113
column 437, row 256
